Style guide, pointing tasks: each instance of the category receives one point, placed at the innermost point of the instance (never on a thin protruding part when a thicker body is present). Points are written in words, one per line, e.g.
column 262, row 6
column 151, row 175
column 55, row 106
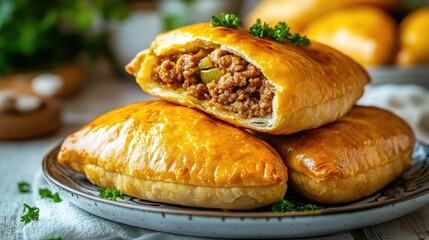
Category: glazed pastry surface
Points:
column 163, row 152
column 348, row 159
column 313, row 84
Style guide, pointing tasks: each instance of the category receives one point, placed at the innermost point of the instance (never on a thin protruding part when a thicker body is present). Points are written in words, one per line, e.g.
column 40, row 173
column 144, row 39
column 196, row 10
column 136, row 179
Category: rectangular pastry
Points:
column 167, row 153
column 349, row 159
column 256, row 83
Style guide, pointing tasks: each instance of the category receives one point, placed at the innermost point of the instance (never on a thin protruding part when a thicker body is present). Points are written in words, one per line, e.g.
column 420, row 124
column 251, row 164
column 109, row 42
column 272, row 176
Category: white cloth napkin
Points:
column 410, row 102
column 67, row 221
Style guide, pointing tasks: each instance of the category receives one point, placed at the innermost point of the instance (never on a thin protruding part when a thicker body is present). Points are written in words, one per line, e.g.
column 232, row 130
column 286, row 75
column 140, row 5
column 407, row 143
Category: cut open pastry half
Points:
column 247, row 81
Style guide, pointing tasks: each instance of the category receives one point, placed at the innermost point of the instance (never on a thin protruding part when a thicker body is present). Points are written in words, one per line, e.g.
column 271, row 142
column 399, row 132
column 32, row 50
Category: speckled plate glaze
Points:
column 406, row 194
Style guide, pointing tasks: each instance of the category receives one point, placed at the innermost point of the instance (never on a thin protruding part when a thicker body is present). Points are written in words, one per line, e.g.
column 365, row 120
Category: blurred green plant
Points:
column 413, row 4
column 174, row 20
column 37, row 35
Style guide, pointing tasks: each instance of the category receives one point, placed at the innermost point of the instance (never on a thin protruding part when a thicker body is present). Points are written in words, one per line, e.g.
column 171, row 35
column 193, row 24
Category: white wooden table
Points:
column 20, row 160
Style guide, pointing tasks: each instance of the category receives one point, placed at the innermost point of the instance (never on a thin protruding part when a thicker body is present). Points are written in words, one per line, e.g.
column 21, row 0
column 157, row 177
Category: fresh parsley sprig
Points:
column 280, row 33
column 23, row 187
column 298, row 39
column 307, row 207
column 45, row 193
column 32, row 214
column 110, row 193
column 260, row 29
column 228, row 20
column 286, row 206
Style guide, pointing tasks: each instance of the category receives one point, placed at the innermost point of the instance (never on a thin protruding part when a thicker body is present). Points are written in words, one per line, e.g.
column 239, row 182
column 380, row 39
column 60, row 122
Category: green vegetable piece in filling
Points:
column 209, row 75
column 205, row 63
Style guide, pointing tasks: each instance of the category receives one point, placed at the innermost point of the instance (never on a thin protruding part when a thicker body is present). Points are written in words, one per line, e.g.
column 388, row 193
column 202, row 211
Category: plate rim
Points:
column 52, row 154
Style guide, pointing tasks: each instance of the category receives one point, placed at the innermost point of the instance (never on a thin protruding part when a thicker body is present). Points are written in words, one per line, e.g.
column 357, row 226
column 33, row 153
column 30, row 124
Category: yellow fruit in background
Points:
column 299, row 13
column 366, row 34
column 414, row 38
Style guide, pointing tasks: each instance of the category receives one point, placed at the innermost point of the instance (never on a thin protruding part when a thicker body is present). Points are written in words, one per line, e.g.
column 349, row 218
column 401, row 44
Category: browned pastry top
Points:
column 366, row 138
column 160, row 141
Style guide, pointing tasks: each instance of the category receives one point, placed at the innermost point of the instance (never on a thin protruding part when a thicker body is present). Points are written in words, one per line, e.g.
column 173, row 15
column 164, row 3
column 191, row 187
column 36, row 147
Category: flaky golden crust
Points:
column 236, row 198
column 314, row 85
column 161, row 144
column 348, row 159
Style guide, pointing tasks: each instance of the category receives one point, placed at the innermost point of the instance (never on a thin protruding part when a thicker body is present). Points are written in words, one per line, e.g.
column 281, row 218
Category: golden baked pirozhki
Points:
column 370, row 28
column 256, row 83
column 167, row 153
column 348, row 159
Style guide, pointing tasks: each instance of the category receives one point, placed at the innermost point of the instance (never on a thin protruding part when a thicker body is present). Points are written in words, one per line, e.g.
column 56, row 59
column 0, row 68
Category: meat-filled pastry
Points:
column 167, row 153
column 247, row 81
column 348, row 159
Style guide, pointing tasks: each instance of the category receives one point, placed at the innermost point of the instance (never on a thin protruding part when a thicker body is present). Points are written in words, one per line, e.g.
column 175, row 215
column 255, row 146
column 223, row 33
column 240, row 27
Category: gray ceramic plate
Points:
column 406, row 194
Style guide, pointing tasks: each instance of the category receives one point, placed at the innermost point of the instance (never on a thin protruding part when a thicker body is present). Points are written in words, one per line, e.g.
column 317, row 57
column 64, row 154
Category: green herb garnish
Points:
column 298, row 39
column 23, row 187
column 286, row 206
column 32, row 214
column 45, row 193
column 110, row 193
column 228, row 20
column 280, row 33
column 307, row 207
column 260, row 29
column 282, row 206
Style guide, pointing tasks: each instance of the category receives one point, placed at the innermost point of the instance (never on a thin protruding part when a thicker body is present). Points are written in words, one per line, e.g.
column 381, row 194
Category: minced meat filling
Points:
column 241, row 87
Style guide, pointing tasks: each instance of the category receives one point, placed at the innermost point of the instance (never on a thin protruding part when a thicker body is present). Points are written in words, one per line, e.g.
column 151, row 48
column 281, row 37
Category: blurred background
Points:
column 69, row 56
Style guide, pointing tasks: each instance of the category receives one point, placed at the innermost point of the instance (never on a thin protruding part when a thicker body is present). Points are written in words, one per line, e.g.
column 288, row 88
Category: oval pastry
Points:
column 247, row 81
column 349, row 159
column 370, row 28
column 167, row 153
